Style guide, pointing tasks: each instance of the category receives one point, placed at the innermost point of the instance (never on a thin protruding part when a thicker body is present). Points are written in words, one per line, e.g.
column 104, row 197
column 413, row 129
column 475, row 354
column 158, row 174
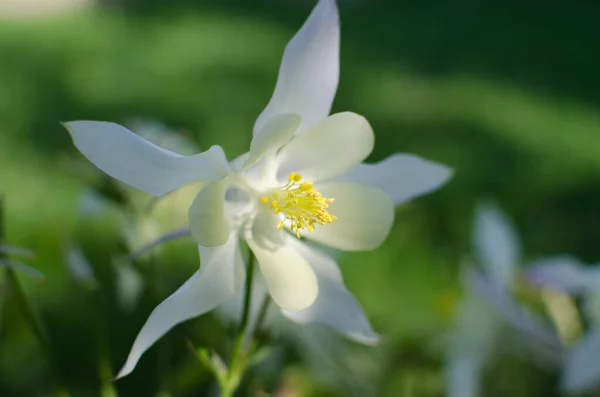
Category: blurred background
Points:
column 506, row 93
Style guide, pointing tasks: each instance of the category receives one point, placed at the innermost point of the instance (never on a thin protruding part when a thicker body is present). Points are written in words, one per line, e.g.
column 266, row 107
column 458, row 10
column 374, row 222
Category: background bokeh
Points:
column 505, row 92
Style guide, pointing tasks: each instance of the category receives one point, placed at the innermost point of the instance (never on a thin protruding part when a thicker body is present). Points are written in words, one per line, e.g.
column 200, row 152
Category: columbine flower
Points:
column 567, row 274
column 488, row 308
column 302, row 173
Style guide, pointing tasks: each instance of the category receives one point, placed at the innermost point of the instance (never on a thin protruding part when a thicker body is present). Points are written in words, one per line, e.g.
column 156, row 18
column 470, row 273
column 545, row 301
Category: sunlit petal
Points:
column 290, row 279
column 221, row 274
column 335, row 306
column 309, row 72
column 275, row 133
column 364, row 217
column 327, row 149
column 125, row 156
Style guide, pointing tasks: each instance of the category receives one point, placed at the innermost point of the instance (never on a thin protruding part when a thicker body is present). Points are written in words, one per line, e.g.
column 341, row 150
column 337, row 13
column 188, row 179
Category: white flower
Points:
column 581, row 372
column 477, row 323
column 300, row 160
column 488, row 307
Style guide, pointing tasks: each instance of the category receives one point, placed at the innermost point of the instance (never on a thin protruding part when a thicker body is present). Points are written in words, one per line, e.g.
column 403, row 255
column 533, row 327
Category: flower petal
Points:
column 221, row 274
column 591, row 306
column 275, row 133
column 265, row 231
column 364, row 217
column 208, row 222
column 496, row 243
column 327, row 149
column 335, row 306
column 402, row 176
column 511, row 312
column 125, row 156
column 463, row 375
column 309, row 72
column 291, row 280
column 471, row 341
column 564, row 273
column 582, row 372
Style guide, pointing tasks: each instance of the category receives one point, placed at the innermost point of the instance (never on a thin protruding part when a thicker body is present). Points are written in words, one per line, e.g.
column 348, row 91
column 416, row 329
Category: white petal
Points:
column 221, row 274
column 327, row 149
column 470, row 345
column 291, row 280
column 364, row 217
column 125, row 156
column 309, row 72
column 265, row 232
column 208, row 222
column 402, row 176
column 275, row 133
column 591, row 306
column 498, row 298
column 564, row 273
column 335, row 306
column 496, row 243
column 463, row 375
column 238, row 163
column 582, row 372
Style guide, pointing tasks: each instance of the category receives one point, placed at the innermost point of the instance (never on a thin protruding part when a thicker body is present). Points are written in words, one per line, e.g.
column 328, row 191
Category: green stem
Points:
column 264, row 308
column 105, row 372
column 27, row 311
column 247, row 295
column 238, row 360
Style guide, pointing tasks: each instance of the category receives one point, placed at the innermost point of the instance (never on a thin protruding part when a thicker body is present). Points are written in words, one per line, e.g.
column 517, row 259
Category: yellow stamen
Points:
column 306, row 186
column 300, row 204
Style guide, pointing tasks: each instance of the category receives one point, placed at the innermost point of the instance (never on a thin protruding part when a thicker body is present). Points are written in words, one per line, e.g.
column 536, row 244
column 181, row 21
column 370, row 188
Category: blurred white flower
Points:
column 300, row 159
column 488, row 309
column 567, row 274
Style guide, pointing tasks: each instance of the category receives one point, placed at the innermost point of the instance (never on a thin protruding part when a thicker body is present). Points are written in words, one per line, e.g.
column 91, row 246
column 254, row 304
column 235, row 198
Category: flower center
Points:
column 301, row 204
